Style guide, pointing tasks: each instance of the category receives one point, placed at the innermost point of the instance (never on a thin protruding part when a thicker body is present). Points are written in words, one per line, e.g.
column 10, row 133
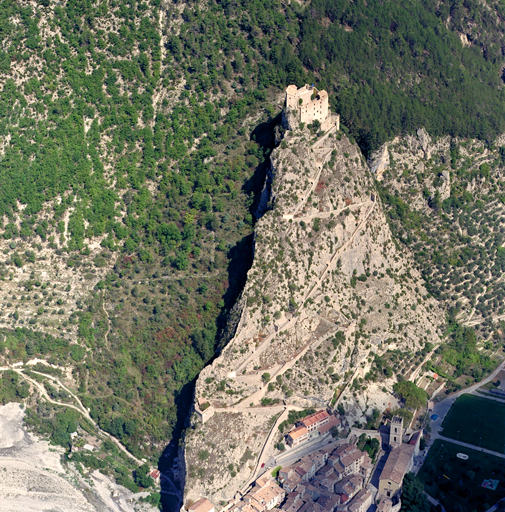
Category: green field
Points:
column 477, row 421
column 457, row 483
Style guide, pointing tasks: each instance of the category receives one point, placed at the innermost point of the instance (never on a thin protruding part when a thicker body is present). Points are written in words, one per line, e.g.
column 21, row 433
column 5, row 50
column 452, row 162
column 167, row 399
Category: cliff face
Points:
column 329, row 291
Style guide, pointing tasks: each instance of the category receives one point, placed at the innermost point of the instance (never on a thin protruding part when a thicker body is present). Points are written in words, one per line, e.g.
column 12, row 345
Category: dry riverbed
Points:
column 32, row 477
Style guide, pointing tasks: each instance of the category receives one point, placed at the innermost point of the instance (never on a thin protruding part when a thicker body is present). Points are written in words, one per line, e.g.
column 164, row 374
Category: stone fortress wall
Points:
column 311, row 105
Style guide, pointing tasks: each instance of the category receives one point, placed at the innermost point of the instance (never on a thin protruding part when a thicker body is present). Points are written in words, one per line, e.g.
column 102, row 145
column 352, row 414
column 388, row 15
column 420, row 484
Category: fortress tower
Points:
column 395, row 432
column 311, row 105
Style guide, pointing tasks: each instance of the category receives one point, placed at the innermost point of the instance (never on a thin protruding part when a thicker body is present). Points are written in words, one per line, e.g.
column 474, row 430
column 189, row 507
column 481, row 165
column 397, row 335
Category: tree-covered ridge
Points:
column 82, row 86
column 101, row 147
column 395, row 67
column 59, row 102
column 392, row 66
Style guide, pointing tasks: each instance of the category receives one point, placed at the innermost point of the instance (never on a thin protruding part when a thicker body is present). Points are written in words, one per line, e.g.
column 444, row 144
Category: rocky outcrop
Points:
column 328, row 290
column 378, row 161
column 453, row 190
column 424, row 141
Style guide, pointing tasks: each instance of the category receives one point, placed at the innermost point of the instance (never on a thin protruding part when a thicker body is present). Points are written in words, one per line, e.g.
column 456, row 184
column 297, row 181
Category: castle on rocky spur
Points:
column 311, row 105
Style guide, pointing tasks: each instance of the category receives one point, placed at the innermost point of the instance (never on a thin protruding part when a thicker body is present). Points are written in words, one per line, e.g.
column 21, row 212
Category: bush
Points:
column 203, row 455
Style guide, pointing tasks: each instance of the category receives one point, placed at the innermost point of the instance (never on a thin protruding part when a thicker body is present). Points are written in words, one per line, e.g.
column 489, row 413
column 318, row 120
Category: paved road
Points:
column 263, row 454
column 291, row 457
column 495, row 506
column 435, row 502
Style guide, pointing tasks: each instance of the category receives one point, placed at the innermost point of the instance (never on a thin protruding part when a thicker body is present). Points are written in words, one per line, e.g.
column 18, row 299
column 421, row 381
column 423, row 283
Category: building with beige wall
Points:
column 311, row 105
column 398, row 464
column 362, row 501
column 204, row 410
column 297, row 435
column 396, row 431
column 314, row 421
column 264, row 495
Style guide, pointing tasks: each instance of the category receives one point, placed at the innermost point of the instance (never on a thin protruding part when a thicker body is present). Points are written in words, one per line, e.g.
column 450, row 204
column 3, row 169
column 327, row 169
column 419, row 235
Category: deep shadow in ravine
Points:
column 240, row 261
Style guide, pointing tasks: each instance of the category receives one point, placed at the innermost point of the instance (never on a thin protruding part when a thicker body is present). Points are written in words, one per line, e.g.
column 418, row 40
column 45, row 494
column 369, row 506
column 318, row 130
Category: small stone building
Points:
column 204, row 410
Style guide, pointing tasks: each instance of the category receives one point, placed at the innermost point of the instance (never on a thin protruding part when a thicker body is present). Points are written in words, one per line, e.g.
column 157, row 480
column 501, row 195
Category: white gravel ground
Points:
column 32, row 478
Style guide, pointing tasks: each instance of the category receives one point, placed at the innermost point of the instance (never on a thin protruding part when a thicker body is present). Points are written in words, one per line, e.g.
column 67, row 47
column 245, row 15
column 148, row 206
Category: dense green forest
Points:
column 146, row 127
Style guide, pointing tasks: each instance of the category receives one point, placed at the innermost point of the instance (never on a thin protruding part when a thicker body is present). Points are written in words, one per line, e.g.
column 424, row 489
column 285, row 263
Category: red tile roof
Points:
column 314, row 418
column 297, row 432
column 202, row 505
column 333, row 422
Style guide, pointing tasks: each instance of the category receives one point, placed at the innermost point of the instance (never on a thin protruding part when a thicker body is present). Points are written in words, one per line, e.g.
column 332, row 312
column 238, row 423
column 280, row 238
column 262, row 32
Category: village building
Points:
column 328, row 480
column 396, row 431
column 415, row 441
column 202, row 505
column 399, row 462
column 386, row 505
column 361, row 502
column 313, row 425
column 314, row 421
column 329, row 502
column 311, row 104
column 155, row 475
column 296, row 436
column 264, row 495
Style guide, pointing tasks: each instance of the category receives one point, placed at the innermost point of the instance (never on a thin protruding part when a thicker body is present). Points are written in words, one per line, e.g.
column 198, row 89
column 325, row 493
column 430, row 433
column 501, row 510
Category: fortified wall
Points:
column 311, row 105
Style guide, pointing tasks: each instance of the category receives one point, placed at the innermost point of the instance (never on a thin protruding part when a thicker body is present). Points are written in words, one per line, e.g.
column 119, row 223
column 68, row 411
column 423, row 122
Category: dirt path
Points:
column 338, row 251
column 81, row 409
column 256, row 396
column 58, row 381
column 468, row 320
column 415, row 374
column 312, row 187
column 324, row 215
column 106, row 337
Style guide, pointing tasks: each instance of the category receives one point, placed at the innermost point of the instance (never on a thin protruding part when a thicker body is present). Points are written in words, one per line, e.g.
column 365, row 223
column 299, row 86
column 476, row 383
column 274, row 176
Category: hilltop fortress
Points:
column 311, row 105
column 309, row 323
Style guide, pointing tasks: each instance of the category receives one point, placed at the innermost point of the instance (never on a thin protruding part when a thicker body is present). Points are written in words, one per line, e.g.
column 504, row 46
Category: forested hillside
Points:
column 134, row 138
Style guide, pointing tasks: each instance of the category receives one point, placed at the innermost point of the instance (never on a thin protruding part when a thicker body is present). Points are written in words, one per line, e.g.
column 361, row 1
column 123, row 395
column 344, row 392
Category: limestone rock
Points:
column 445, row 189
column 424, row 140
column 328, row 290
column 378, row 161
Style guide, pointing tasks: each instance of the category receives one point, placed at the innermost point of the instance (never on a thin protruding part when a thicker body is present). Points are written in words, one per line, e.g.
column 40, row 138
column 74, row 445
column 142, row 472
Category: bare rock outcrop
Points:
column 424, row 141
column 378, row 161
column 329, row 290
